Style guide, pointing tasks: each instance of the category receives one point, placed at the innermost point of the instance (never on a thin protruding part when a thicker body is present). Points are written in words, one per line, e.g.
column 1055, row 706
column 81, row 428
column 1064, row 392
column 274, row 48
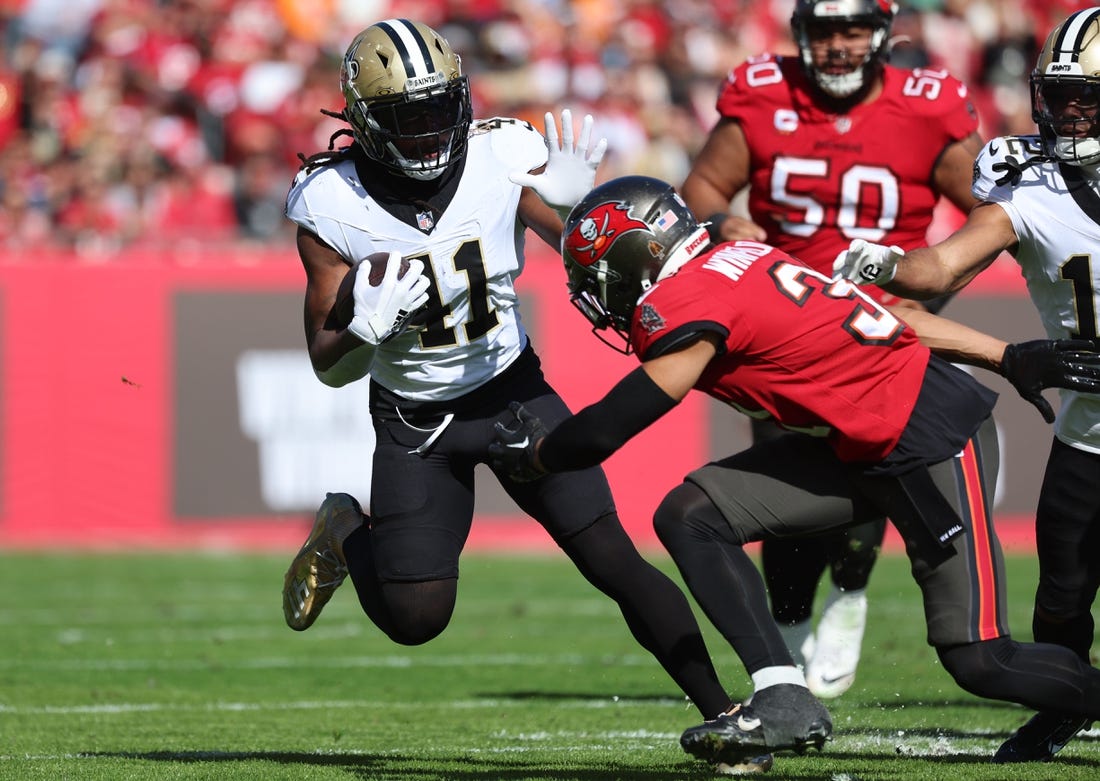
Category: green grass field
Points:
column 180, row 667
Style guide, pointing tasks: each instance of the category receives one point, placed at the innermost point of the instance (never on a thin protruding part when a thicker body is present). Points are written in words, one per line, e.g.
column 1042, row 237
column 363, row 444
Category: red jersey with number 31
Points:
column 820, row 180
column 817, row 356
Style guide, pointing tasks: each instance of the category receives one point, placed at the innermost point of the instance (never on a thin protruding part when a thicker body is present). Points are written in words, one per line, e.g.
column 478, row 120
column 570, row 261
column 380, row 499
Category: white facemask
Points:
column 1082, row 152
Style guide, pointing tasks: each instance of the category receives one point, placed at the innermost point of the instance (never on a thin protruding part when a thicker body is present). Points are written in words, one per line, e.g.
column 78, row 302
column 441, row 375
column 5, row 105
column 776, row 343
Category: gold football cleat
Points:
column 319, row 566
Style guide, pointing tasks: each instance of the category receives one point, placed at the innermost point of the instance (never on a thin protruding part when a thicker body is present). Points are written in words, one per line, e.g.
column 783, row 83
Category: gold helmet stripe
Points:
column 411, row 45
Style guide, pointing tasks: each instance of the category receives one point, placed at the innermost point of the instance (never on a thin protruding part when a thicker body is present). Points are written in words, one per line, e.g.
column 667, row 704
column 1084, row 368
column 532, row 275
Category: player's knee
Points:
column 668, row 520
column 413, row 634
column 1072, row 631
column 682, row 516
column 979, row 667
column 1059, row 605
column 418, row 612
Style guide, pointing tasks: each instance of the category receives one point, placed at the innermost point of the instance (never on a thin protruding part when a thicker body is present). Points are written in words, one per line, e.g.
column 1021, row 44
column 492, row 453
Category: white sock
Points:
column 837, row 594
column 772, row 676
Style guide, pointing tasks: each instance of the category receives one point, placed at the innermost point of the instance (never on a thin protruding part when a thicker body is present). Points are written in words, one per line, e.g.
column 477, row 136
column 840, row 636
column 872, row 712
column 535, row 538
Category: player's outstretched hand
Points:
column 383, row 311
column 570, row 168
column 867, row 264
column 514, row 450
column 1073, row 364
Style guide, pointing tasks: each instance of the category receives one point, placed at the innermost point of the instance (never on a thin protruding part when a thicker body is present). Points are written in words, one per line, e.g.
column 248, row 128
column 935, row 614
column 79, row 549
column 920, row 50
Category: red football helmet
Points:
column 876, row 14
column 618, row 241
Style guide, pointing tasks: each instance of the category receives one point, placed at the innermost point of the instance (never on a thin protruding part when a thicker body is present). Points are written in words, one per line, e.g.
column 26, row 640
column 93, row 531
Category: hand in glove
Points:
column 570, row 170
column 865, row 263
column 515, row 448
column 383, row 311
column 1051, row 363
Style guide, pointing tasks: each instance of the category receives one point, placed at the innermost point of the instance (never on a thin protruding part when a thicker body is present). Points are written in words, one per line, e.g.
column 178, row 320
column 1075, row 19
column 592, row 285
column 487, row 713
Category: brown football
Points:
column 344, row 308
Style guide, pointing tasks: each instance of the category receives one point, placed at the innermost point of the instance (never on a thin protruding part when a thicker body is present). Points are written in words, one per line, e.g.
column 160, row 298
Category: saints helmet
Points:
column 618, row 241
column 1065, row 89
column 405, row 98
column 877, row 14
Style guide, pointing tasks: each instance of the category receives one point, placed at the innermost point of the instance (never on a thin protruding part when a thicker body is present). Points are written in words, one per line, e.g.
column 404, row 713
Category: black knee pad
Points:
column 687, row 513
column 418, row 612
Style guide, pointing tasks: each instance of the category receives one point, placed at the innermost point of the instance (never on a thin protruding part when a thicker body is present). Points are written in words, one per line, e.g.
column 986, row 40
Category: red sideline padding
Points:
column 105, row 429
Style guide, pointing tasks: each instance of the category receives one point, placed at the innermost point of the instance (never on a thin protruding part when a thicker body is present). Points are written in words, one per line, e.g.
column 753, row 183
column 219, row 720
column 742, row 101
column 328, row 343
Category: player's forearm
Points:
column 598, row 430
column 340, row 357
column 921, row 274
column 953, row 341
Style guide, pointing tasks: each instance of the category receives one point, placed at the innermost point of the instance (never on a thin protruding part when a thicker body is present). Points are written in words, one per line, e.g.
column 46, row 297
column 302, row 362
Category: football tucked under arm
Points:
column 343, row 309
column 377, row 304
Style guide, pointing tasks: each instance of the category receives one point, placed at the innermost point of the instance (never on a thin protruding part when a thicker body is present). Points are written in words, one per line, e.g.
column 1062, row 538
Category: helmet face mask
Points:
column 405, row 98
column 618, row 241
column 1065, row 90
column 815, row 21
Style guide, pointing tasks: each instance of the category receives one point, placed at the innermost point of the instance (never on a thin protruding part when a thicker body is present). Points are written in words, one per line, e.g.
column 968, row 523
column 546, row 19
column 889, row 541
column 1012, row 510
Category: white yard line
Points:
column 333, row 662
column 214, row 707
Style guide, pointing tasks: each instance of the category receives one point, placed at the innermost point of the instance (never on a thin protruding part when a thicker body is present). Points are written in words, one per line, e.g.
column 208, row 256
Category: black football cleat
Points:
column 784, row 717
column 1044, row 735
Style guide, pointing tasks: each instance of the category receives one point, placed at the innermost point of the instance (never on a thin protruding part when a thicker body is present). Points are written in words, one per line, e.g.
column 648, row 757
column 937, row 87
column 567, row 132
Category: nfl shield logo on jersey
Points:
column 650, row 320
column 425, row 221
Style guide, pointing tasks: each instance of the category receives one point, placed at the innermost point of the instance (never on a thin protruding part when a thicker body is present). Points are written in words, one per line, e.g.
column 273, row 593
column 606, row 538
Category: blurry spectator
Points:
column 132, row 113
column 259, row 198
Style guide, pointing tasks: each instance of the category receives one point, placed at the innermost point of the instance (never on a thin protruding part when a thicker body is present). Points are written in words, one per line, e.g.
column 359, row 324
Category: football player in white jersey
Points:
column 446, row 350
column 1040, row 202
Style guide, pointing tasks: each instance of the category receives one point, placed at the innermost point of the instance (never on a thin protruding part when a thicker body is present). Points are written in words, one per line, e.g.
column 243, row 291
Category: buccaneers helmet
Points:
column 876, row 14
column 618, row 241
column 405, row 98
column 1065, row 89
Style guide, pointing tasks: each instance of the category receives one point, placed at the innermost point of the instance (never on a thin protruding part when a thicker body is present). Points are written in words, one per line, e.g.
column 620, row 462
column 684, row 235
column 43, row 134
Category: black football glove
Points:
column 513, row 451
column 1073, row 364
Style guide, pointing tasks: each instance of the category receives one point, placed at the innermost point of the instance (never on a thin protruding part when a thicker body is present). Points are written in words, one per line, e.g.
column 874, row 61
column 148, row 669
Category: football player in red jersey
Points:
column 898, row 432
column 1039, row 203
column 834, row 144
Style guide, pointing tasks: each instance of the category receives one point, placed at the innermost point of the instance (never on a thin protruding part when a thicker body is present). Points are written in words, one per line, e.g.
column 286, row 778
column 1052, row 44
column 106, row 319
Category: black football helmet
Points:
column 877, row 14
column 405, row 98
column 1065, row 89
column 618, row 241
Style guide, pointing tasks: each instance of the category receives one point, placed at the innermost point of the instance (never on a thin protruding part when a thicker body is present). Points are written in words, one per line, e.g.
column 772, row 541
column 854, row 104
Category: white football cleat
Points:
column 799, row 639
column 831, row 670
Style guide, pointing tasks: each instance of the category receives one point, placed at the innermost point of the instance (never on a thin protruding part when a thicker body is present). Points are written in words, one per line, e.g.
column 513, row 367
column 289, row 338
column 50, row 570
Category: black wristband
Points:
column 714, row 226
column 600, row 429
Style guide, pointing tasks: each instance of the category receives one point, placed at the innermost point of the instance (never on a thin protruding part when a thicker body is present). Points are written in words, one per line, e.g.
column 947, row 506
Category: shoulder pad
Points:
column 516, row 142
column 760, row 70
column 1004, row 162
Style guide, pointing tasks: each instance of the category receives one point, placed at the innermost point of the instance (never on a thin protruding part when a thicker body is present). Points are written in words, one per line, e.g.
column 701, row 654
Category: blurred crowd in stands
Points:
column 168, row 123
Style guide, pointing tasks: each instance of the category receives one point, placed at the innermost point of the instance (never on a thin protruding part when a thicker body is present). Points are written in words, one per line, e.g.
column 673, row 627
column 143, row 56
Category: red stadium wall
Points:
column 160, row 401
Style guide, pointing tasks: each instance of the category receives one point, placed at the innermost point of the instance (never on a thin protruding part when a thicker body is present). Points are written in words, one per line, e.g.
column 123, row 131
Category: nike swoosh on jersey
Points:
column 520, row 445
column 993, row 149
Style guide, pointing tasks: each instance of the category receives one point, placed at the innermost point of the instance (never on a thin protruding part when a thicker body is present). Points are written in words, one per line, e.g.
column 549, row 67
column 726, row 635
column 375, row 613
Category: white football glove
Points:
column 867, row 264
column 383, row 311
column 570, row 170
